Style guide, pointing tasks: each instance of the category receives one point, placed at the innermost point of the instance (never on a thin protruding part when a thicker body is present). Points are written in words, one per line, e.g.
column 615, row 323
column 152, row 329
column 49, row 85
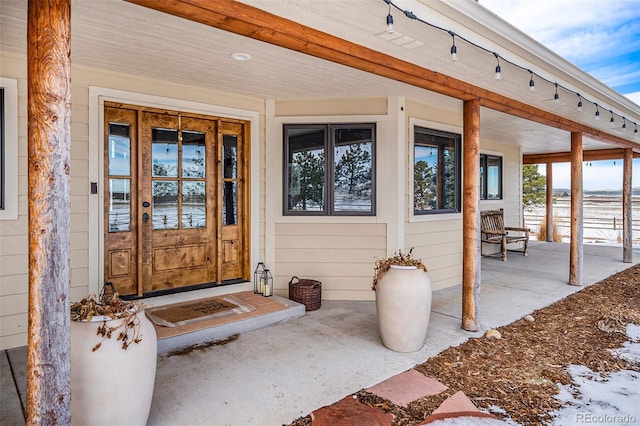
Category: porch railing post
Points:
column 577, row 220
column 627, row 211
column 471, row 216
column 549, row 206
column 49, row 207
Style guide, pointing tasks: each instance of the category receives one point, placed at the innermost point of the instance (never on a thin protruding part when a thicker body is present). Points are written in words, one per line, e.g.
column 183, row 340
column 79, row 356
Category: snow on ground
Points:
column 592, row 398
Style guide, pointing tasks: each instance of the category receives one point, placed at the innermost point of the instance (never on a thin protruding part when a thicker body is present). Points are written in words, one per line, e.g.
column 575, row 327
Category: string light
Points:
column 532, row 84
column 579, row 107
column 624, row 124
column 389, row 19
column 498, row 69
column 454, row 49
column 612, row 122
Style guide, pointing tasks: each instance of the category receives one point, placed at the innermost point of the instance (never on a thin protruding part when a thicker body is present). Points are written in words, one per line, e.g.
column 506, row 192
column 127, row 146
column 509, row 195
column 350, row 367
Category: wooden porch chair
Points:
column 493, row 231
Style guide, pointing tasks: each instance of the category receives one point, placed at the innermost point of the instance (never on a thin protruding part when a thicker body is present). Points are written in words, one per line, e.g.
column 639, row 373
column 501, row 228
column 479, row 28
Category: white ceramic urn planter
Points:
column 111, row 386
column 403, row 304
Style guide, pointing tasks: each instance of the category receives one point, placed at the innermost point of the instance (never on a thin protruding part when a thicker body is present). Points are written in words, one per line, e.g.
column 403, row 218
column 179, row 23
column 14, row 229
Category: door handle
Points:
column 145, row 217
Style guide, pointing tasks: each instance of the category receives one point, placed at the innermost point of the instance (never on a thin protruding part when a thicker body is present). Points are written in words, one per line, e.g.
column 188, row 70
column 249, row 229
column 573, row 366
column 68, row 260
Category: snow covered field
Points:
column 602, row 218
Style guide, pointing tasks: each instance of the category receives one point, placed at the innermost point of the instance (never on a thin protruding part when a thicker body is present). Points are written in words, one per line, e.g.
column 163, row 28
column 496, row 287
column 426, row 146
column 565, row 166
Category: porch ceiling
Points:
column 126, row 38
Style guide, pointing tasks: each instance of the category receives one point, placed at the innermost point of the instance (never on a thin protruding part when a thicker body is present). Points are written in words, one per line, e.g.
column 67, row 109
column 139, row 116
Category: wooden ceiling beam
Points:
column 565, row 157
column 246, row 20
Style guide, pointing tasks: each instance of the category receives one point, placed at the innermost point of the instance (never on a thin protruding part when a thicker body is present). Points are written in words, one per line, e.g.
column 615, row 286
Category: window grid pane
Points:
column 353, row 166
column 436, row 172
column 494, row 178
column 306, row 169
column 490, row 177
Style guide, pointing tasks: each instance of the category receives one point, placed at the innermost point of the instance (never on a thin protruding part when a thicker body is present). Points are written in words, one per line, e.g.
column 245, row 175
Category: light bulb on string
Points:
column 532, row 84
column 556, row 97
column 612, row 122
column 389, row 20
column 454, row 49
column 597, row 112
column 498, row 69
column 579, row 107
column 624, row 124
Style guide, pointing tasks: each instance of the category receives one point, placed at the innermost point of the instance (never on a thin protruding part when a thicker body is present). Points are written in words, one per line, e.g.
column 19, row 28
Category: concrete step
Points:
column 240, row 324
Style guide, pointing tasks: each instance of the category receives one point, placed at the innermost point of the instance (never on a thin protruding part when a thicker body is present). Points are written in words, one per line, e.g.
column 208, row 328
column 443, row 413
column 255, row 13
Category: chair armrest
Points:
column 511, row 228
column 493, row 232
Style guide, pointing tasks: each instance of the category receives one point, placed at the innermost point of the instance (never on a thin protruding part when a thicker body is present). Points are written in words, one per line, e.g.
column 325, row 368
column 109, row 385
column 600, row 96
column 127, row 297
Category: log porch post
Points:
column 549, row 206
column 576, row 247
column 627, row 211
column 49, row 141
column 471, row 216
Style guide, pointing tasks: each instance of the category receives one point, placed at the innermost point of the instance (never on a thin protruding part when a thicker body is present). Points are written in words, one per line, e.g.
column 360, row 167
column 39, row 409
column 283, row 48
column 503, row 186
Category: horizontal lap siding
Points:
column 439, row 245
column 341, row 256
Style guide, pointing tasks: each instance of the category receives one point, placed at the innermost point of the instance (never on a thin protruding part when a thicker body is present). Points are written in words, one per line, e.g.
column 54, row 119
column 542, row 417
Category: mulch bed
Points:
column 520, row 372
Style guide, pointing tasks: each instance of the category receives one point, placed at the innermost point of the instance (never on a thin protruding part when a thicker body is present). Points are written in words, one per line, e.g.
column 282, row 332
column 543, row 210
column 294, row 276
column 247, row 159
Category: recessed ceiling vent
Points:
column 401, row 40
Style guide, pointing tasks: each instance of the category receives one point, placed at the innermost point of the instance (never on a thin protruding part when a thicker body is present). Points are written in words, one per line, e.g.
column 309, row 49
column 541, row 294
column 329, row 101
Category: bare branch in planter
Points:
column 398, row 259
column 111, row 308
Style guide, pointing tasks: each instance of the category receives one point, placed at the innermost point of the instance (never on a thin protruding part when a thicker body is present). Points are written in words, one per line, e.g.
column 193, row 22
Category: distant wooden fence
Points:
column 610, row 224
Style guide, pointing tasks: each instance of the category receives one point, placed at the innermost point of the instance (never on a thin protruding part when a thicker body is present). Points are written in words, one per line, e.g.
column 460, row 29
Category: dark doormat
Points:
column 184, row 313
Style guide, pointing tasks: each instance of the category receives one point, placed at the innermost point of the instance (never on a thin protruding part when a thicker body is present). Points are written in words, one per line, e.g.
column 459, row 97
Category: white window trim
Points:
column 416, row 122
column 10, row 211
column 97, row 98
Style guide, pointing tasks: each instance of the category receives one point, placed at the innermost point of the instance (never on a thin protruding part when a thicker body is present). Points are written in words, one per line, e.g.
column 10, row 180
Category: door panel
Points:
column 181, row 238
column 176, row 200
column 120, row 206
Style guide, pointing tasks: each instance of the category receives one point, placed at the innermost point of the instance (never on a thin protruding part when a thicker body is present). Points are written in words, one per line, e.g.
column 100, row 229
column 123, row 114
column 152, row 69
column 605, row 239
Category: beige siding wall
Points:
column 339, row 255
column 13, row 233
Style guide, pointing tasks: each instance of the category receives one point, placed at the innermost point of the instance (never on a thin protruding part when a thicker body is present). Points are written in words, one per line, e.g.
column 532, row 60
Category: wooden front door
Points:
column 176, row 200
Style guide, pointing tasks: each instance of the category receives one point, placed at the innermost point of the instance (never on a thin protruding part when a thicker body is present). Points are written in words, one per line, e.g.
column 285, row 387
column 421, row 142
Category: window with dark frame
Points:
column 436, row 171
column 330, row 169
column 490, row 177
column 2, row 159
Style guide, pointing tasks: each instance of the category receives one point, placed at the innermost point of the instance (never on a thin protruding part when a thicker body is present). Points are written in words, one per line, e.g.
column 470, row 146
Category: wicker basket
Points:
column 307, row 292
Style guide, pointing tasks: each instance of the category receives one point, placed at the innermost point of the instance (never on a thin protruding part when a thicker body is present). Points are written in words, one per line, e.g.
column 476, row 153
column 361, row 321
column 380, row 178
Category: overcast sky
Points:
column 600, row 37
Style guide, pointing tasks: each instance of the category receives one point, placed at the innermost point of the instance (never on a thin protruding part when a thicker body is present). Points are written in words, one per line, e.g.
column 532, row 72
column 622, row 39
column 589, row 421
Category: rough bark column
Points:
column 576, row 247
column 627, row 211
column 471, row 216
column 49, row 141
column 549, row 205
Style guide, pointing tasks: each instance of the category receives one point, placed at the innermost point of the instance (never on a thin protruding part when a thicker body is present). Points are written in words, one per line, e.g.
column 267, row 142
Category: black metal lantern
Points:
column 257, row 278
column 267, row 283
column 107, row 292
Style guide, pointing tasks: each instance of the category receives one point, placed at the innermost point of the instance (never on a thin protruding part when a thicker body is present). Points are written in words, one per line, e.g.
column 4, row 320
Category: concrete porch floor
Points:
column 277, row 374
